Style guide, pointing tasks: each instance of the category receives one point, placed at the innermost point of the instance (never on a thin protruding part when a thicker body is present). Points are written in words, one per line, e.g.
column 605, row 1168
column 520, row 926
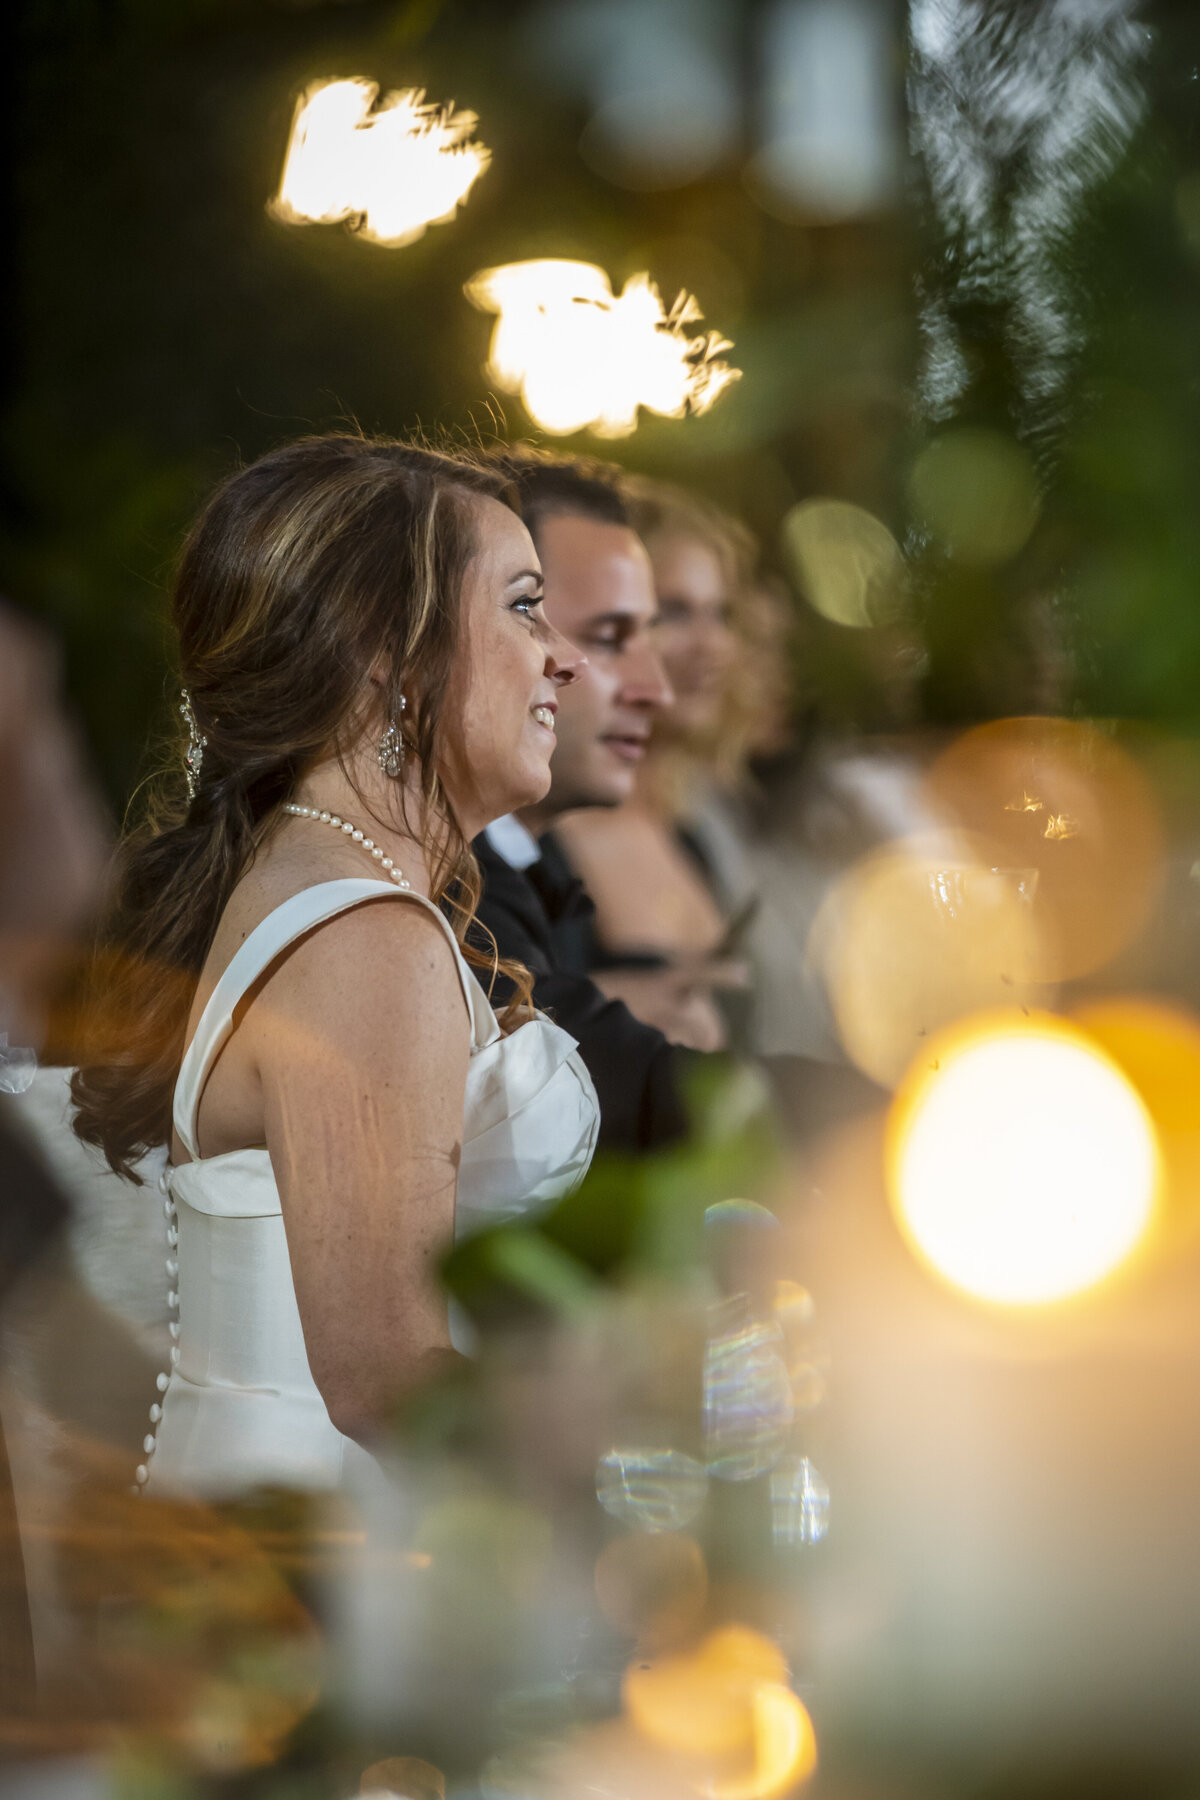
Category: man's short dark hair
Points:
column 549, row 485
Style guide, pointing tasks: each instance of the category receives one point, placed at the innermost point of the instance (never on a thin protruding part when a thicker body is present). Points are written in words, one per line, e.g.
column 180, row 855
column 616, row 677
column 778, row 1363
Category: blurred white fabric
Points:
column 115, row 1236
column 82, row 1334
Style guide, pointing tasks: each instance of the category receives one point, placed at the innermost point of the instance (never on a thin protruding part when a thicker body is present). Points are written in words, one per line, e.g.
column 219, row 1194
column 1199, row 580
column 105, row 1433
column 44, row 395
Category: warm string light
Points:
column 582, row 357
column 390, row 168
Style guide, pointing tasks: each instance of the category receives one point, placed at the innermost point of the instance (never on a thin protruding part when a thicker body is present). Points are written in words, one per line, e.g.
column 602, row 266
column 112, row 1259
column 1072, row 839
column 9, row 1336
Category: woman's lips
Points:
column 544, row 716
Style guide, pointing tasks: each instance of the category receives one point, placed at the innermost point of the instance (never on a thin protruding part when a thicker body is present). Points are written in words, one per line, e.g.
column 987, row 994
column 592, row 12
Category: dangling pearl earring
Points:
column 390, row 749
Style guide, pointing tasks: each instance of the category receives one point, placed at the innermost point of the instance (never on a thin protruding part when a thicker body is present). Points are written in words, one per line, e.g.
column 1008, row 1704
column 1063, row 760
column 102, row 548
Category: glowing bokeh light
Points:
column 701, row 1702
column 794, row 1312
column 799, row 1502
column 1158, row 1047
column 747, row 1397
column 1060, row 797
column 727, row 1698
column 390, row 168
column 793, row 1306
column 1023, row 1166
column 976, row 492
column 650, row 1489
column 581, row 357
column 846, row 561
column 785, row 1748
column 919, row 934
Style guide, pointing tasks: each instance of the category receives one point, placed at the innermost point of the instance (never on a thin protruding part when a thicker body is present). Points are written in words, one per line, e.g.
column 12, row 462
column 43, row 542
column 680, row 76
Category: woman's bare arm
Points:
column 362, row 1040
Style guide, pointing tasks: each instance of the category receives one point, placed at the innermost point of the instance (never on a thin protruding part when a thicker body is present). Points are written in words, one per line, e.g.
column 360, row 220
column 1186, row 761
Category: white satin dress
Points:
column 238, row 1407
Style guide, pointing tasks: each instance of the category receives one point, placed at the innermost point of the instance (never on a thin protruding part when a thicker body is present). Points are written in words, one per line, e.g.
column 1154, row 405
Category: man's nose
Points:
column 644, row 680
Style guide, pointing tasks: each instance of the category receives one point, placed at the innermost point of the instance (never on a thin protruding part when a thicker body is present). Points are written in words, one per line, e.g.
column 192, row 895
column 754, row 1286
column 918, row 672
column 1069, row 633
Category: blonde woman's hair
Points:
column 756, row 693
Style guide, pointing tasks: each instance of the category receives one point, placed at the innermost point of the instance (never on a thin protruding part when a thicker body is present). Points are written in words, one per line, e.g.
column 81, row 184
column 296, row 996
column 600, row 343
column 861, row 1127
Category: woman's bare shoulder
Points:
column 373, row 947
column 387, row 952
column 279, row 873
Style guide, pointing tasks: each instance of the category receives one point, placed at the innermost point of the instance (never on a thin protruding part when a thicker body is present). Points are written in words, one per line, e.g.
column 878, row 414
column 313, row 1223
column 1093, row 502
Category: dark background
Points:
column 161, row 326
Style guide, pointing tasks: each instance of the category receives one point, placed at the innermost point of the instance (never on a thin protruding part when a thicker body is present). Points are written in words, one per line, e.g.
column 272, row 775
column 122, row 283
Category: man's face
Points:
column 600, row 595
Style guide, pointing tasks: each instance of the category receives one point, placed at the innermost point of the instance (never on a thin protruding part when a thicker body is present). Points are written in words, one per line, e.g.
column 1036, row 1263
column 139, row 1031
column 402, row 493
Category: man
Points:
column 600, row 594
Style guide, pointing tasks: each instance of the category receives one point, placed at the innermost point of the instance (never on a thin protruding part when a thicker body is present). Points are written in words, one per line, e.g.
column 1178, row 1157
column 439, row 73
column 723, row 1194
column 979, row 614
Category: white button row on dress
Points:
column 150, row 1442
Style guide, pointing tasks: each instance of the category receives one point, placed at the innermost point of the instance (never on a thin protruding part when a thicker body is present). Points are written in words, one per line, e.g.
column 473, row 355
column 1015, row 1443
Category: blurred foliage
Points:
column 1096, row 611
column 633, row 1218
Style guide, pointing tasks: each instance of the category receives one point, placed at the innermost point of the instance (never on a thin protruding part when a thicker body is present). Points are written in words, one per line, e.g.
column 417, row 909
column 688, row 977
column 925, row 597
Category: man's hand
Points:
column 678, row 999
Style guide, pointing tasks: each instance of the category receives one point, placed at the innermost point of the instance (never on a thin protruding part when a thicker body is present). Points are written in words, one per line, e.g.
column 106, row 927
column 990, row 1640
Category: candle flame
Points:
column 390, row 168
column 581, row 356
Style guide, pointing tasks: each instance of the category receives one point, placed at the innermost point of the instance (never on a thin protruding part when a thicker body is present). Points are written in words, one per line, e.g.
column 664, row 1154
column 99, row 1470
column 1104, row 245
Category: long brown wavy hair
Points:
column 303, row 572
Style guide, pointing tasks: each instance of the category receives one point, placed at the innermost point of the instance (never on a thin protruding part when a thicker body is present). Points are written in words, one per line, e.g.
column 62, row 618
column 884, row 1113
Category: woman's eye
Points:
column 527, row 604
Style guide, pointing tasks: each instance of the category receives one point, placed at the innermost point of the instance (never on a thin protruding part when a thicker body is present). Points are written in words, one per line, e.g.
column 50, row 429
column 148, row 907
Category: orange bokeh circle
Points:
column 1059, row 796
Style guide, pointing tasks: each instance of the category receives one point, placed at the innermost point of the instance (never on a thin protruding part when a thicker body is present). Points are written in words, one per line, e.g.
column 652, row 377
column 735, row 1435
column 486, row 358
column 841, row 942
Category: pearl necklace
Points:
column 352, row 832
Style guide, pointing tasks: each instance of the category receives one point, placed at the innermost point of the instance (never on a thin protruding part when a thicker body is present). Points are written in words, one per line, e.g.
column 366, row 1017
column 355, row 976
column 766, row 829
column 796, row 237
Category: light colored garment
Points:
column 240, row 1406
column 82, row 1333
column 111, row 1236
column 510, row 839
column 789, row 1013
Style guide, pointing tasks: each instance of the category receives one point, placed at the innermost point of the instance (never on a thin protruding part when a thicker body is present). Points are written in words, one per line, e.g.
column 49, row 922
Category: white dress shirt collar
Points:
column 510, row 840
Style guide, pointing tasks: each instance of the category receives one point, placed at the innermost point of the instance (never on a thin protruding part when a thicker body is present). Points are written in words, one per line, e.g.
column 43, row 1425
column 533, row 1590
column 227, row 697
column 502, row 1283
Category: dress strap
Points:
column 309, row 908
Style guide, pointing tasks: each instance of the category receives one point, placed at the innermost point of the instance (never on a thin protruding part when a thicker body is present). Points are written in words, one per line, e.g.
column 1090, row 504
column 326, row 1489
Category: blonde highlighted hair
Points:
column 756, row 693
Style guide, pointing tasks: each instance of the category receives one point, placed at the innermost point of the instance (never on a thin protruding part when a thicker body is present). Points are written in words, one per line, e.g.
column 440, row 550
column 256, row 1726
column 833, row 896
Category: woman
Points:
column 368, row 681
column 671, row 870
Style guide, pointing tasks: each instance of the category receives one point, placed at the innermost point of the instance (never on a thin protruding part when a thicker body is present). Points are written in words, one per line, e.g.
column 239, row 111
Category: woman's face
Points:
column 499, row 710
column 694, row 638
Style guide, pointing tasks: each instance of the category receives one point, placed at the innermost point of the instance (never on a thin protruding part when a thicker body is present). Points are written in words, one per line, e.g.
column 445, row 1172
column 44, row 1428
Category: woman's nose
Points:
column 563, row 660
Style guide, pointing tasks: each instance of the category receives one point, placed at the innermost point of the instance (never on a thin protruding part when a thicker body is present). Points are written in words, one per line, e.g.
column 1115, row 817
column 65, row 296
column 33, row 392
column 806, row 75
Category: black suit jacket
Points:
column 542, row 917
